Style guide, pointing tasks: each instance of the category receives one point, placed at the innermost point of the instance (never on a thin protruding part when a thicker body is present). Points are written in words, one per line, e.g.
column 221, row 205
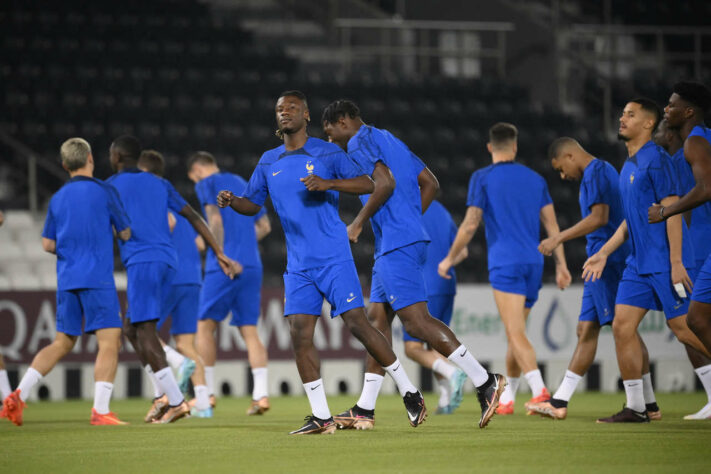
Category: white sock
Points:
column 466, row 361
column 317, row 399
column 635, row 394
column 445, row 393
column 157, row 391
column 648, row 389
column 202, row 398
column 175, row 358
column 102, row 397
column 509, row 394
column 29, row 380
column 704, row 374
column 210, row 379
column 444, row 368
column 167, row 382
column 397, row 372
column 567, row 386
column 259, row 375
column 5, row 389
column 535, row 381
column 371, row 389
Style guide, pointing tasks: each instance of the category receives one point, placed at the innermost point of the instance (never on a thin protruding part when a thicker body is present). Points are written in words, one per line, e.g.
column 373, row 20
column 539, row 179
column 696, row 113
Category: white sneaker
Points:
column 703, row 414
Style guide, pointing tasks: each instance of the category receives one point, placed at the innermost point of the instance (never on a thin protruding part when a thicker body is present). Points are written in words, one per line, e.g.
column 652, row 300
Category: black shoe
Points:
column 627, row 415
column 488, row 395
column 315, row 425
column 355, row 418
column 415, row 406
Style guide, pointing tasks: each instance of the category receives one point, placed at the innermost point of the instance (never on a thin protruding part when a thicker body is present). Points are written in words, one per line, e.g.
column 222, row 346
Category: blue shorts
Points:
column 242, row 296
column 148, row 287
column 100, row 308
column 651, row 291
column 440, row 307
column 599, row 296
column 182, row 307
column 702, row 283
column 522, row 279
column 304, row 291
column 398, row 277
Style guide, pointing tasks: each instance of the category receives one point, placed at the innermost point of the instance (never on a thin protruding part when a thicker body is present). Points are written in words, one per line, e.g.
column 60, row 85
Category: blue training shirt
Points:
column 646, row 178
column 147, row 198
column 189, row 270
column 442, row 230
column 511, row 197
column 315, row 234
column 700, row 227
column 240, row 237
column 398, row 222
column 601, row 185
column 79, row 219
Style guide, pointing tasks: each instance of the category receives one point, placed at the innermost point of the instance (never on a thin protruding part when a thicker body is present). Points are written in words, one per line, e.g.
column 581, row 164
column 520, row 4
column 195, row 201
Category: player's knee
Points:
column 622, row 329
column 587, row 332
column 65, row 343
column 696, row 322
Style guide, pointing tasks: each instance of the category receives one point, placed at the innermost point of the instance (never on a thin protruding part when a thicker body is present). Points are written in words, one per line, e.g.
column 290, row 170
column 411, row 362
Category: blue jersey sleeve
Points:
column 366, row 153
column 175, row 200
column 597, row 190
column 663, row 179
column 206, row 192
column 50, row 228
column 117, row 213
column 344, row 167
column 476, row 195
column 257, row 188
column 417, row 164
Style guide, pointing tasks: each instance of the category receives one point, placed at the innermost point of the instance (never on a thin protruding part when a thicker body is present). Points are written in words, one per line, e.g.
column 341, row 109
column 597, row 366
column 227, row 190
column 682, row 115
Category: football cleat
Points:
column 457, row 386
column 703, row 414
column 415, row 406
column 543, row 397
column 653, row 411
column 505, row 408
column 546, row 409
column 12, row 408
column 355, row 418
column 258, row 407
column 488, row 395
column 206, row 413
column 184, row 373
column 316, row 425
column 160, row 405
column 627, row 415
column 174, row 413
column 109, row 418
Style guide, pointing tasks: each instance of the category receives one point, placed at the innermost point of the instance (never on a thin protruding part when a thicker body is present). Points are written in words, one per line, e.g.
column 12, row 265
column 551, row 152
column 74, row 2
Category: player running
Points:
column 319, row 260
column 512, row 200
column 404, row 188
column 220, row 295
column 79, row 228
column 659, row 258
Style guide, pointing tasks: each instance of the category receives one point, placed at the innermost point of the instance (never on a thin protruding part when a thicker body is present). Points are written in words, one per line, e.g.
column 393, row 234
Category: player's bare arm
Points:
column 384, row 185
column 49, row 245
column 674, row 234
column 429, row 185
column 697, row 152
column 238, row 204
column 593, row 266
column 214, row 222
column 562, row 275
column 229, row 266
column 200, row 244
column 465, row 234
column 359, row 185
column 262, row 227
column 598, row 217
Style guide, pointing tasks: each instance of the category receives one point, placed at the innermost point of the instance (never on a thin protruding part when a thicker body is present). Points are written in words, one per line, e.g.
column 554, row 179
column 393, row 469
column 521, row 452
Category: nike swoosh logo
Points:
column 395, row 369
column 314, row 388
column 639, row 415
column 274, row 174
column 463, row 353
column 704, row 373
column 412, row 418
column 348, row 300
column 633, row 385
column 371, row 380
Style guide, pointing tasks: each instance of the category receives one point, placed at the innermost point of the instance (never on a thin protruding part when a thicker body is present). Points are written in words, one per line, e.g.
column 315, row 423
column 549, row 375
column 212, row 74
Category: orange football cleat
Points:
column 109, row 418
column 505, row 408
column 543, row 397
column 547, row 410
column 258, row 407
column 12, row 407
column 175, row 413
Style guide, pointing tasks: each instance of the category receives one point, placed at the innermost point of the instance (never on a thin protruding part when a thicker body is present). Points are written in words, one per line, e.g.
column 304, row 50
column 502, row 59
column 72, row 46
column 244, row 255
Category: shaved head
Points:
column 560, row 145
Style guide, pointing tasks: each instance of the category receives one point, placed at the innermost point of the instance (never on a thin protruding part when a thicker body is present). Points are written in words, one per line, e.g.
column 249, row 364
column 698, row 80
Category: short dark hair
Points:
column 202, row 157
column 694, row 93
column 128, row 147
column 152, row 161
column 294, row 93
column 340, row 108
column 649, row 106
column 556, row 147
column 502, row 133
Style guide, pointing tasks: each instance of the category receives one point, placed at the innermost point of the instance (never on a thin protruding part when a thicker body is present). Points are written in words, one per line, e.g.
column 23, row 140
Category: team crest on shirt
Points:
column 632, row 178
column 309, row 167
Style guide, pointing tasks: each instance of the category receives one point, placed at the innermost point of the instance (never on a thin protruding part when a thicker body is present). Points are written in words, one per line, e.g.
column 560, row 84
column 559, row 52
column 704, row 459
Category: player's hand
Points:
column 562, row 277
column 224, row 198
column 231, row 267
column 653, row 213
column 316, row 183
column 443, row 268
column 547, row 246
column 593, row 267
column 680, row 275
column 354, row 230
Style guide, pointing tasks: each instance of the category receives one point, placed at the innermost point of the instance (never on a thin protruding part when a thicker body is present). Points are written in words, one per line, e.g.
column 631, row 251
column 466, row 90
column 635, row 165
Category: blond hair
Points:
column 75, row 153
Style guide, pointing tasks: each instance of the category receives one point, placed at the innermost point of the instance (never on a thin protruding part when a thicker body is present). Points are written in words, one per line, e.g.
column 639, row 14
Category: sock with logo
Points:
column 371, row 389
column 317, row 399
column 397, row 372
column 466, row 361
column 635, row 394
column 102, row 397
column 567, row 386
column 704, row 374
column 166, row 380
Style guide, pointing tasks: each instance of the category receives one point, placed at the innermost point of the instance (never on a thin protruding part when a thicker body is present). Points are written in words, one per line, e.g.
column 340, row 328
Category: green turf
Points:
column 57, row 437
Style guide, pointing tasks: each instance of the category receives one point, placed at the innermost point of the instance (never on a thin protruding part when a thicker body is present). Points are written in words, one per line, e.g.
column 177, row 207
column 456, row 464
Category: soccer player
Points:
column 659, row 257
column 319, row 260
column 79, row 228
column 685, row 114
column 404, row 188
column 220, row 295
column 512, row 200
column 150, row 261
column 181, row 303
column 601, row 208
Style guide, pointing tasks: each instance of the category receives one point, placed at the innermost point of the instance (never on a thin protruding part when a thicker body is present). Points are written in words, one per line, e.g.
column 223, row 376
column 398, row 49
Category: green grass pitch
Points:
column 57, row 437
